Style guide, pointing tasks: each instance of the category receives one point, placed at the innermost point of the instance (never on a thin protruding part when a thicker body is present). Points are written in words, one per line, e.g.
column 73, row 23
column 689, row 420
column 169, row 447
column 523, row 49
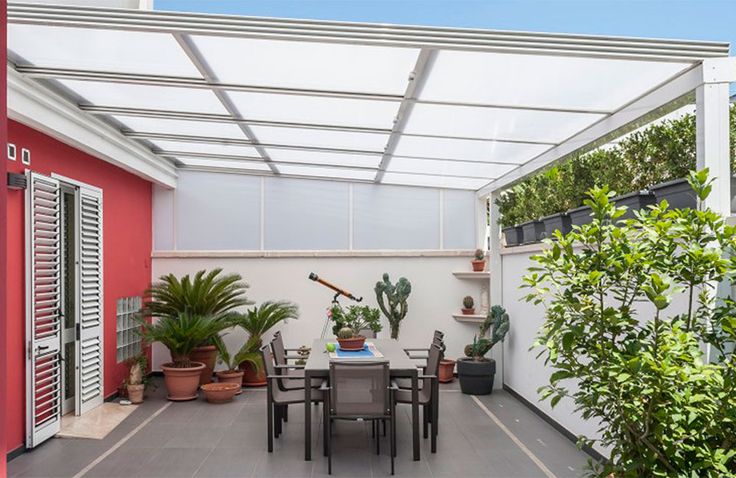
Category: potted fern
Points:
column 210, row 294
column 476, row 372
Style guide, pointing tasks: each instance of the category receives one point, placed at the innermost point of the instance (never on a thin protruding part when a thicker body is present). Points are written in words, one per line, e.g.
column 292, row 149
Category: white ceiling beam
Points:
column 652, row 104
column 38, row 107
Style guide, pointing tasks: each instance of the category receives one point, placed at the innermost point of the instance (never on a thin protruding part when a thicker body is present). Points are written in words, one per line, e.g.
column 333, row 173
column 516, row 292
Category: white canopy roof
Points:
column 438, row 107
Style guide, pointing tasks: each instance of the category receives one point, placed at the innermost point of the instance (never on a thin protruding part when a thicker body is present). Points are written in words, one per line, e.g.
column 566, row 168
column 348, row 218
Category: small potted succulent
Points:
column 468, row 305
column 476, row 372
column 136, row 382
column 233, row 373
column 348, row 324
column 479, row 261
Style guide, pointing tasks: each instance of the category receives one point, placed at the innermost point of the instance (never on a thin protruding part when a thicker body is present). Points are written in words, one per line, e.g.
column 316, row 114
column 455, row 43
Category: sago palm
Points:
column 259, row 320
column 247, row 353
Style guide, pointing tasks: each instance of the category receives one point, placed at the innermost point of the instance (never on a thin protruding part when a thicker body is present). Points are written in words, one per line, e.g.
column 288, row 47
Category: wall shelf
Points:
column 472, row 275
column 474, row 318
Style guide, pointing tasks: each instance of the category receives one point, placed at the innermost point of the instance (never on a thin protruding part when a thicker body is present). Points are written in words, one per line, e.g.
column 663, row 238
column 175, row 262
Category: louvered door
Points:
column 90, row 305
column 43, row 303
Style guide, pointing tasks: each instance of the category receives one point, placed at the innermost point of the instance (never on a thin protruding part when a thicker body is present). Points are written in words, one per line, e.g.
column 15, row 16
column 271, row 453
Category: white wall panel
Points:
column 163, row 218
column 458, row 219
column 306, row 215
column 395, row 217
column 216, row 211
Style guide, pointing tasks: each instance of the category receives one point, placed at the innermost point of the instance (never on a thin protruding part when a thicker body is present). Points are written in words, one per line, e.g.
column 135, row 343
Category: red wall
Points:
column 126, row 249
column 3, row 229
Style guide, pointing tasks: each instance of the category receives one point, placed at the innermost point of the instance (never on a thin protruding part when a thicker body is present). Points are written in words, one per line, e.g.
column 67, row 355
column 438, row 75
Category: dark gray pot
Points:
column 634, row 201
column 678, row 194
column 476, row 378
column 514, row 235
column 533, row 231
column 580, row 215
column 556, row 222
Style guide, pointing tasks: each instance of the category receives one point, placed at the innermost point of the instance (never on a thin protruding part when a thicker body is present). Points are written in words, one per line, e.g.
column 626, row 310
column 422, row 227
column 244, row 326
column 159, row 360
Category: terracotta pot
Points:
column 135, row 393
column 447, row 367
column 231, row 376
column 220, row 392
column 207, row 354
column 354, row 343
column 468, row 311
column 182, row 383
column 479, row 266
column 251, row 378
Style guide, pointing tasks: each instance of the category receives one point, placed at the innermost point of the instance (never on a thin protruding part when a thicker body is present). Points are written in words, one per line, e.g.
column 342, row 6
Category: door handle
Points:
column 43, row 347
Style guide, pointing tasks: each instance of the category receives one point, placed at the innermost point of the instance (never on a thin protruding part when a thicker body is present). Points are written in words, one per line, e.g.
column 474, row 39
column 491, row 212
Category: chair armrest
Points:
column 422, row 349
column 325, row 386
column 283, row 377
column 295, row 357
column 289, row 366
column 431, row 377
column 293, row 350
column 394, row 386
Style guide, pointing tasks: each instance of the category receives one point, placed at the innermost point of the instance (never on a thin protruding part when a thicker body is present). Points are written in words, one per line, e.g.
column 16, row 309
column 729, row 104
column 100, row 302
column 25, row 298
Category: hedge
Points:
column 658, row 153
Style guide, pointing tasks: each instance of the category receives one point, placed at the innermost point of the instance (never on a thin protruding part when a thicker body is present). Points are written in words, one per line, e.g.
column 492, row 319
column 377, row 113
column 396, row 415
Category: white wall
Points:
column 436, row 293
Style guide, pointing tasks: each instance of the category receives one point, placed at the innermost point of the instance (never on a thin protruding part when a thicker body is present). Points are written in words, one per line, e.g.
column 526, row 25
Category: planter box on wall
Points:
column 580, row 215
column 556, row 222
column 680, row 195
column 533, row 231
column 514, row 235
column 634, row 201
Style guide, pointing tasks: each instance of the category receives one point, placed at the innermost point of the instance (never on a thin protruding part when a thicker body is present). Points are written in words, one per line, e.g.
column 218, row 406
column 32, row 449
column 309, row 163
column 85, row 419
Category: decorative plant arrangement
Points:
column 665, row 407
column 256, row 322
column 468, row 305
column 208, row 294
column 348, row 324
column 181, row 334
column 476, row 372
column 136, row 382
column 479, row 261
column 392, row 301
column 232, row 362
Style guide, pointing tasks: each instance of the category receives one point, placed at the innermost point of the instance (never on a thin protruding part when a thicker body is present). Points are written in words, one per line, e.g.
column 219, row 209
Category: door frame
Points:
column 70, row 189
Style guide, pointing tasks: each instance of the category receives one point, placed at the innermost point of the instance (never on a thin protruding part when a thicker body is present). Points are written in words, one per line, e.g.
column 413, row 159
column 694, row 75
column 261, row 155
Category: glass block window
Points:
column 128, row 341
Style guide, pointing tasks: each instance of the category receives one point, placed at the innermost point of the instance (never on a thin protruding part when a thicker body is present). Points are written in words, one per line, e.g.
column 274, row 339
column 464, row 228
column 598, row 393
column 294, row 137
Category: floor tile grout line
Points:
column 121, row 442
column 514, row 438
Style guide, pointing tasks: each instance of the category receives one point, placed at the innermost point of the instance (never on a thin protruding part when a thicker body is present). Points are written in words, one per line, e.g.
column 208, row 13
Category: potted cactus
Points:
column 479, row 262
column 468, row 305
column 392, row 301
column 348, row 324
column 476, row 372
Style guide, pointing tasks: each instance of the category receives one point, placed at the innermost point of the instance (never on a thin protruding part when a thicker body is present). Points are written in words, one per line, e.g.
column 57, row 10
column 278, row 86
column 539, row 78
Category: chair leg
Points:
column 270, row 426
column 435, row 415
column 329, row 447
column 378, row 441
column 384, row 427
column 277, row 426
column 325, row 424
column 373, row 429
column 425, row 420
column 392, row 441
column 286, row 413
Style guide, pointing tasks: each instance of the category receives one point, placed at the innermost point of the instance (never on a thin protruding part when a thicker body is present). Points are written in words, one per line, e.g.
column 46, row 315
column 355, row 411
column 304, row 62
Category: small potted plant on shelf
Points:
column 233, row 373
column 135, row 383
column 479, row 263
column 348, row 324
column 468, row 305
column 476, row 372
column 181, row 334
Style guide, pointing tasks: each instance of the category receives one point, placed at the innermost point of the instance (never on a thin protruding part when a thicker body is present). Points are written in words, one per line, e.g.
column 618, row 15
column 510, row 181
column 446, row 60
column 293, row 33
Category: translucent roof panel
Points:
column 335, row 173
column 314, row 157
column 146, row 96
column 468, row 150
column 434, row 181
column 452, row 168
column 496, row 123
column 320, row 138
column 101, row 50
column 207, row 148
column 308, row 65
column 315, row 110
column 547, row 81
column 142, row 124
column 223, row 163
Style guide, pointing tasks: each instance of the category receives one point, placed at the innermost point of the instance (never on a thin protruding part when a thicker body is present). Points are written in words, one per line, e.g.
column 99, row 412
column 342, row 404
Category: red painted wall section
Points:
column 3, row 229
column 126, row 248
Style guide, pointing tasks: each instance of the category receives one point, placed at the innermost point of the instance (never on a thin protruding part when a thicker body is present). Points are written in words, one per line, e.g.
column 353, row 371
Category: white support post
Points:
column 495, row 267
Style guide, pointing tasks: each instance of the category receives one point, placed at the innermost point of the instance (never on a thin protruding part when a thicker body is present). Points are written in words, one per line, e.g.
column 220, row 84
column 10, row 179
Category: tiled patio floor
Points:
column 203, row 440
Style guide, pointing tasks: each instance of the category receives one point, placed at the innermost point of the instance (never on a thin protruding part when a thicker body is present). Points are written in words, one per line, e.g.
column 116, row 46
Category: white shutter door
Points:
column 43, row 306
column 89, row 302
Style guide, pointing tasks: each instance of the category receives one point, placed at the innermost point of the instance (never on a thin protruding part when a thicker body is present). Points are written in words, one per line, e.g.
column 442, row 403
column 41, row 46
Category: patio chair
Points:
column 278, row 399
column 421, row 353
column 296, row 372
column 360, row 391
column 428, row 393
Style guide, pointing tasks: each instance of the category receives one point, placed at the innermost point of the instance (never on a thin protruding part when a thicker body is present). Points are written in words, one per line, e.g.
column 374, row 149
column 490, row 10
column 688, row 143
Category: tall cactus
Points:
column 392, row 301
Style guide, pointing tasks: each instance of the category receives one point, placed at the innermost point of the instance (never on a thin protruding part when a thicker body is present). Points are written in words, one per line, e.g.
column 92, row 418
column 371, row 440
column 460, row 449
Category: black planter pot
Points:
column 634, row 201
column 677, row 193
column 533, row 231
column 476, row 378
column 514, row 235
column 580, row 215
column 556, row 222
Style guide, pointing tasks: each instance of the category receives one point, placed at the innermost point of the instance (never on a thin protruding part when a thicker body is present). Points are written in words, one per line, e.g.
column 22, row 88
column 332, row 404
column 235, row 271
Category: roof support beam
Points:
column 416, row 83
column 658, row 101
column 204, row 69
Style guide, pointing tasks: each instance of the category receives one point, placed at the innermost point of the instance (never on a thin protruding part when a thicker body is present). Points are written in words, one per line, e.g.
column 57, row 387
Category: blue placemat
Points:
column 365, row 352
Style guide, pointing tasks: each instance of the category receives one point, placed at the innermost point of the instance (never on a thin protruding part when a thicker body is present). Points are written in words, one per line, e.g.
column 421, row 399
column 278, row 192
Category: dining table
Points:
column 400, row 366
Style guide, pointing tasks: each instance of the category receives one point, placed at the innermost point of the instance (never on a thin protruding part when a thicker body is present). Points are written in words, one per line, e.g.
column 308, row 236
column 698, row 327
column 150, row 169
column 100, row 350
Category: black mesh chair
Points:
column 359, row 390
column 278, row 399
column 429, row 393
